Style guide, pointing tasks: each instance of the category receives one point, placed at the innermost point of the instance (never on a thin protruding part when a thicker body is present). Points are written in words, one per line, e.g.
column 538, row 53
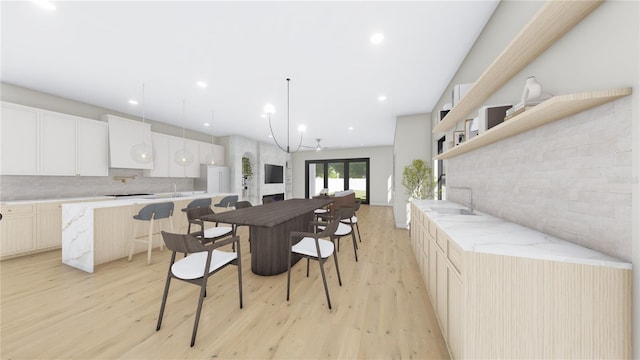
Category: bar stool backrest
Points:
column 197, row 203
column 158, row 211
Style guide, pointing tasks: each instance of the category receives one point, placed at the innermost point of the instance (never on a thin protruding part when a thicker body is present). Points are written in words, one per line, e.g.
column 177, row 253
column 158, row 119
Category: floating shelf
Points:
column 552, row 21
column 556, row 108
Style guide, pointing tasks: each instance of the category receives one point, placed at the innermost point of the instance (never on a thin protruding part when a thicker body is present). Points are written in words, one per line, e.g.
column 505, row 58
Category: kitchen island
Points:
column 97, row 232
column 501, row 290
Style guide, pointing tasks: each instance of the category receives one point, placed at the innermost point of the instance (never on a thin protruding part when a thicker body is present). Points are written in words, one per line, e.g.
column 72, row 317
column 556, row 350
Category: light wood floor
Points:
column 52, row 311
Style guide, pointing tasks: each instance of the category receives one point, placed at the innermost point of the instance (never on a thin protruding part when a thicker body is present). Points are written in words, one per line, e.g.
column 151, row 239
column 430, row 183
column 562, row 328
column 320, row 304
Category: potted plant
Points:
column 418, row 179
column 247, row 172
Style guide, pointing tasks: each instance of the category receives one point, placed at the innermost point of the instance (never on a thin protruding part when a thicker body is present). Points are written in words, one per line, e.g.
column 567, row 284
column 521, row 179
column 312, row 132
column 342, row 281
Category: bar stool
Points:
column 151, row 213
column 197, row 203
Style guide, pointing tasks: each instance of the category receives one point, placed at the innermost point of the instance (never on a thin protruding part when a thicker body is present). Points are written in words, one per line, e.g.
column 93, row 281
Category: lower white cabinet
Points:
column 17, row 229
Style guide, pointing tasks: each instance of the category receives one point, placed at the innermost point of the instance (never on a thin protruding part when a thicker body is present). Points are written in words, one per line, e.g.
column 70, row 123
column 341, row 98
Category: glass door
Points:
column 337, row 175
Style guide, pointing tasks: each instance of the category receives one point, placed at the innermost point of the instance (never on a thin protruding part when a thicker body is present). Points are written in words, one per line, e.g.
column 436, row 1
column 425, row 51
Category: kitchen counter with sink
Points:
column 480, row 232
column 501, row 290
column 97, row 232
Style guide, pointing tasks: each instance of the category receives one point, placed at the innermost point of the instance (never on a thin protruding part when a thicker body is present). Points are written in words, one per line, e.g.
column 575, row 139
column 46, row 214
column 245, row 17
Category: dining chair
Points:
column 313, row 246
column 354, row 219
column 345, row 227
column 202, row 262
column 151, row 213
column 227, row 201
column 206, row 235
column 206, row 202
column 243, row 205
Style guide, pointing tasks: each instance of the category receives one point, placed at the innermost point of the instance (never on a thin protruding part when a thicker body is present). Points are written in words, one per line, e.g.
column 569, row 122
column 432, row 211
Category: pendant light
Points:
column 211, row 158
column 269, row 109
column 142, row 152
column 183, row 156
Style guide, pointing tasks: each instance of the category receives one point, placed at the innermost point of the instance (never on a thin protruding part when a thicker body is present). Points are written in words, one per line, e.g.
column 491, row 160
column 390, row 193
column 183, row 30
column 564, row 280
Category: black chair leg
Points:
column 358, row 228
column 324, row 281
column 203, row 290
column 335, row 259
column 164, row 300
column 288, row 274
column 355, row 245
column 307, row 267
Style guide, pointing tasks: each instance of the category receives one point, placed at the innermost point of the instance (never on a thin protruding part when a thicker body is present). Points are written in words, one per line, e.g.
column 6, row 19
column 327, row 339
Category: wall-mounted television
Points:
column 273, row 174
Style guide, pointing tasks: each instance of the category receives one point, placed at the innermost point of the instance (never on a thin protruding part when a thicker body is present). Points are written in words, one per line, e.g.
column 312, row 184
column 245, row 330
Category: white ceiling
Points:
column 102, row 52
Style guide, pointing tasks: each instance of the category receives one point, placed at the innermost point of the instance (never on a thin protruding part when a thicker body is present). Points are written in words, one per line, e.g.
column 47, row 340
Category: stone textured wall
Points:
column 571, row 178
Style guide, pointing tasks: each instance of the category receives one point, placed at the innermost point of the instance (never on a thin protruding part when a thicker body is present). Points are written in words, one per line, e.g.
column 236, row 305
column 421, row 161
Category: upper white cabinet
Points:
column 92, row 157
column 164, row 157
column 124, row 134
column 208, row 150
column 42, row 142
column 58, row 145
column 19, row 136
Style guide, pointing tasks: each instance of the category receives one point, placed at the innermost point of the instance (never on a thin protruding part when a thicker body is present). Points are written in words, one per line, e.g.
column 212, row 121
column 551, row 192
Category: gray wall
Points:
column 380, row 163
column 591, row 162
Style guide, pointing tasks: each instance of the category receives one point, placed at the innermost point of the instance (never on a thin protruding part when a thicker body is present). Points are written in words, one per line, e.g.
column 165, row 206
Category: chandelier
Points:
column 269, row 109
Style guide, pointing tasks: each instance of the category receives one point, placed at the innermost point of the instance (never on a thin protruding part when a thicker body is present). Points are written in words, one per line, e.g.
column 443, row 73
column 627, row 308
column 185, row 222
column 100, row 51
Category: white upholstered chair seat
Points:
column 321, row 211
column 192, row 266
column 354, row 219
column 343, row 229
column 217, row 231
column 307, row 246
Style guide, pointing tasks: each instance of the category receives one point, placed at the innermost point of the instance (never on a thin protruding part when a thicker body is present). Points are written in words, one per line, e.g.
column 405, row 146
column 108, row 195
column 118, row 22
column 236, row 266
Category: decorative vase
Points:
column 532, row 90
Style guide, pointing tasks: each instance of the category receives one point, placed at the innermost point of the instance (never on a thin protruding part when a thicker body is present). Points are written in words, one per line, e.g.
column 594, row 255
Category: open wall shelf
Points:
column 556, row 108
column 552, row 21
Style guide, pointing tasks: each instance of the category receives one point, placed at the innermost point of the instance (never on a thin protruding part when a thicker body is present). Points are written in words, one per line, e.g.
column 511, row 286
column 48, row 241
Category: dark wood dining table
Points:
column 269, row 228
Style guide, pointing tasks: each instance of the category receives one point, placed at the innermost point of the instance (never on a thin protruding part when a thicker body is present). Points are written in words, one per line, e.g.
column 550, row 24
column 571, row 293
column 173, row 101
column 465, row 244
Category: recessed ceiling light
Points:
column 382, row 98
column 350, row 128
column 201, row 84
column 270, row 135
column 302, row 128
column 376, row 38
column 47, row 5
column 206, row 124
column 133, row 101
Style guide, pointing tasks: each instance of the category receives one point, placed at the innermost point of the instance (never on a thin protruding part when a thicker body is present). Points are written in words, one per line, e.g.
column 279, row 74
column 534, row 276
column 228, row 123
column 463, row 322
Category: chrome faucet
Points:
column 175, row 190
column 470, row 204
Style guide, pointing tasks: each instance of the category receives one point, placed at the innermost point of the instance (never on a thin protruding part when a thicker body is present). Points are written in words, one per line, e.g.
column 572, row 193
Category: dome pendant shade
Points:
column 183, row 157
column 142, row 153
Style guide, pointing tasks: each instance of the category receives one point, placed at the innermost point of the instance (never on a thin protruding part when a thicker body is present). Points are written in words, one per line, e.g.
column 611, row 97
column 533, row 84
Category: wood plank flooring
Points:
column 381, row 311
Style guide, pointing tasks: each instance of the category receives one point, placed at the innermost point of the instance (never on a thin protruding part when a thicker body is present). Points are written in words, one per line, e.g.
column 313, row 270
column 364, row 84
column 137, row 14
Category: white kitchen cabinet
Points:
column 164, row 151
column 211, row 150
column 160, row 143
column 49, row 225
column 57, row 144
column 92, row 158
column 42, row 142
column 73, row 146
column 19, row 136
column 124, row 134
column 177, row 170
column 17, row 229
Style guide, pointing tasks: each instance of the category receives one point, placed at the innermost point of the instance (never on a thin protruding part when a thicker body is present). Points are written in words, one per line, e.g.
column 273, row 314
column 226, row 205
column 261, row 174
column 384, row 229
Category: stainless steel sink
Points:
column 452, row 211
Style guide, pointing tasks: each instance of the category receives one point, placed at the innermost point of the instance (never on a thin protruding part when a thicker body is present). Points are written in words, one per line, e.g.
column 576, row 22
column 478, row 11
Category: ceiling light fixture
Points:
column 201, row 84
column 47, row 5
column 133, row 101
column 183, row 156
column 269, row 109
column 382, row 98
column 142, row 152
column 376, row 38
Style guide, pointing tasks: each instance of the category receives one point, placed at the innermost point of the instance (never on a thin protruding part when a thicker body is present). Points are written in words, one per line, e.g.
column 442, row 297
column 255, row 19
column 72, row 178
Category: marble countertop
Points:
column 488, row 234
column 143, row 200
column 40, row 201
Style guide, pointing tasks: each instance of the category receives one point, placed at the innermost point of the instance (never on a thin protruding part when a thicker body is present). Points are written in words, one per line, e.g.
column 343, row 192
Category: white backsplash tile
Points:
column 571, row 178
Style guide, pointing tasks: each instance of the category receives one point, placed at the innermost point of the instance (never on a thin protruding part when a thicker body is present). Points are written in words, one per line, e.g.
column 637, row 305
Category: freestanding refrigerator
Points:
column 213, row 179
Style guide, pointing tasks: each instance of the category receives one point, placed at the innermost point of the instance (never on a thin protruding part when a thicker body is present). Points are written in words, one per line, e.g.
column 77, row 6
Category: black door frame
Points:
column 346, row 174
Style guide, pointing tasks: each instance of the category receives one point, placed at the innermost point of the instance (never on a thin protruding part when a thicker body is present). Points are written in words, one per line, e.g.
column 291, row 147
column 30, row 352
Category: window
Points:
column 338, row 175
